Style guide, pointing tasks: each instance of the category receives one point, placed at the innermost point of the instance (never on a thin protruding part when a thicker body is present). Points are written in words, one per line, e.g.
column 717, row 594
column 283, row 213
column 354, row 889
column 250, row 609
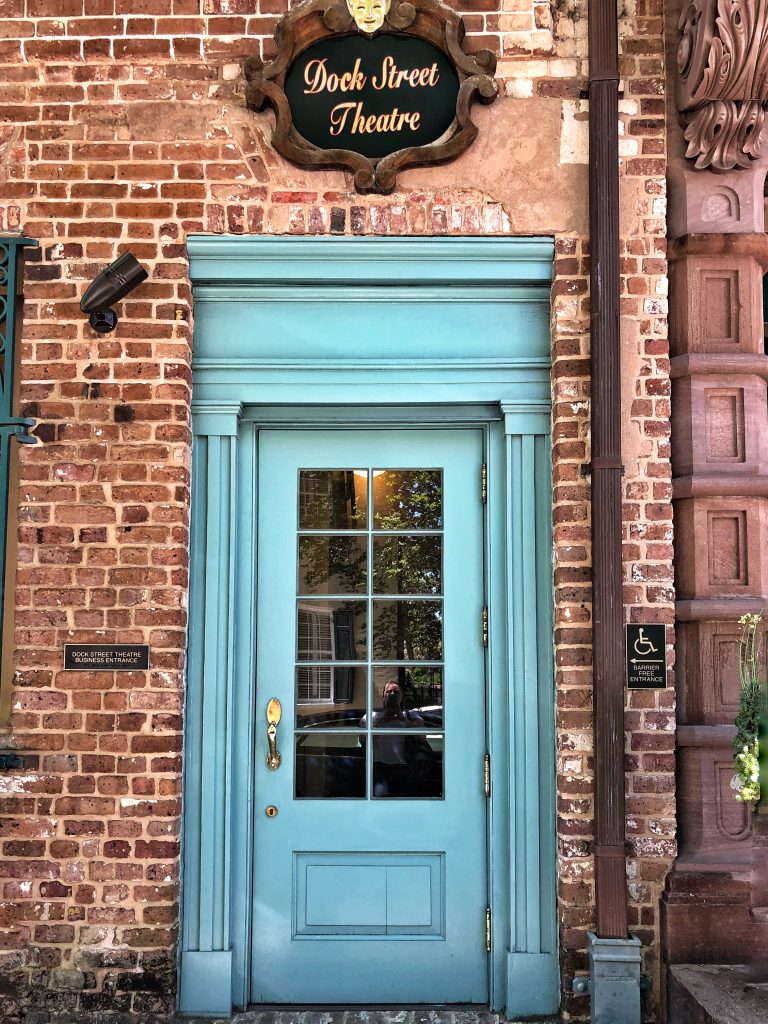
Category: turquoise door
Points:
column 370, row 846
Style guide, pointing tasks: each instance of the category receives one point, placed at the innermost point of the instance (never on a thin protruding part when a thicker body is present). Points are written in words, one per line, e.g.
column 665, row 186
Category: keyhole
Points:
column 271, row 811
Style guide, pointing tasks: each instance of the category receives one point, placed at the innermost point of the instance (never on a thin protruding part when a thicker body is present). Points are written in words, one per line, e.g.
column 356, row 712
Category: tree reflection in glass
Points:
column 407, row 565
column 333, row 499
column 408, row 499
column 407, row 630
column 333, row 565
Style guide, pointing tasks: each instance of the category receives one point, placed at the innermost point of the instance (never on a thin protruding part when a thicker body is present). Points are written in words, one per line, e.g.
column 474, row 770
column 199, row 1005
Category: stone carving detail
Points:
column 722, row 204
column 731, row 817
column 722, row 86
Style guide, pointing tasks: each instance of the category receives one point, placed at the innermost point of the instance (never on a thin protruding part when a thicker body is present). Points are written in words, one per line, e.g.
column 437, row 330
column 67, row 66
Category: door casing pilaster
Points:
column 470, row 382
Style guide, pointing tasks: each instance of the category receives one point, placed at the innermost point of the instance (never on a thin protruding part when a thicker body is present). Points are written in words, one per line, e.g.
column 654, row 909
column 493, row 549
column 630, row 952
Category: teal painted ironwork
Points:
column 276, row 346
column 12, row 426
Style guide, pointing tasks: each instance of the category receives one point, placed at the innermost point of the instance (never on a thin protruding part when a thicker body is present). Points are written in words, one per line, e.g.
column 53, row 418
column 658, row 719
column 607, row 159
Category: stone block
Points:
column 714, row 828
column 74, row 981
column 720, row 549
column 709, row 417
column 718, row 305
column 707, row 671
column 717, row 994
column 703, row 202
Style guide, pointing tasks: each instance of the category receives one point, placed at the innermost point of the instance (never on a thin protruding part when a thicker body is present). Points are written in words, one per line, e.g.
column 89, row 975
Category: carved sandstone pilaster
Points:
column 718, row 256
column 722, row 85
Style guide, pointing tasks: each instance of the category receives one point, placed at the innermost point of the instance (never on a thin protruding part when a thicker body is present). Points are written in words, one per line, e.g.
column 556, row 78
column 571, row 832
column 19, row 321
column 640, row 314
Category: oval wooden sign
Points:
column 372, row 101
column 373, row 96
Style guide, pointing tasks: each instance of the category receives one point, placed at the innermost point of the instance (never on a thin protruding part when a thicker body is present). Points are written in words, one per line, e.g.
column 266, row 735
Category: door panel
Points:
column 370, row 880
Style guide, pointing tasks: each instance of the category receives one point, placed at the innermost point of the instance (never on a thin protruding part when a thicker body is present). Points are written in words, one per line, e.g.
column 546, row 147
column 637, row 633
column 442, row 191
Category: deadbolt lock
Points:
column 271, row 811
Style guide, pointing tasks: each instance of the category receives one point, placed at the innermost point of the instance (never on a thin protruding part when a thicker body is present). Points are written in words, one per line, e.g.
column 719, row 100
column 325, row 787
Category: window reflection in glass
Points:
column 333, row 565
column 407, row 499
column 331, row 630
column 330, row 696
column 407, row 630
column 331, row 766
column 421, row 687
column 385, row 740
column 333, row 499
column 407, row 565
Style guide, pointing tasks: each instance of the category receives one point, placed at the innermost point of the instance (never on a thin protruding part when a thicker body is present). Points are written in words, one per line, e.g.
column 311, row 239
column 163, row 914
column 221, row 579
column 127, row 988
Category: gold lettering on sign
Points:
column 318, row 79
column 394, row 121
column 393, row 78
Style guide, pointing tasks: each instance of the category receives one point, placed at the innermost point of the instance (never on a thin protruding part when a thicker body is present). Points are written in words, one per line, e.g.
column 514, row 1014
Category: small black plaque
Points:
column 646, row 650
column 106, row 657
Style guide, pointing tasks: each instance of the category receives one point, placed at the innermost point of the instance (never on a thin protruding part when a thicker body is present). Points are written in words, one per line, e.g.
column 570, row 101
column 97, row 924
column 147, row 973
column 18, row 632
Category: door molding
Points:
column 509, row 397
column 525, row 839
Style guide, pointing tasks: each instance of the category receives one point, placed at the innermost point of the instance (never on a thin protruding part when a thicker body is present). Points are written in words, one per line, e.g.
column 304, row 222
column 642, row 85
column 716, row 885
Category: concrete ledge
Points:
column 717, row 994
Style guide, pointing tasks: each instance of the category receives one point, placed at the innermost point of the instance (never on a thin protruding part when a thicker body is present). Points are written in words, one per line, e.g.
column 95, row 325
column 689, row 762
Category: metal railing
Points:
column 13, row 429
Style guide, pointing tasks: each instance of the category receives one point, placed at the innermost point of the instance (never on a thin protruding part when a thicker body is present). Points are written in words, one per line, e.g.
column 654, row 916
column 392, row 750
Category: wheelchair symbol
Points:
column 643, row 645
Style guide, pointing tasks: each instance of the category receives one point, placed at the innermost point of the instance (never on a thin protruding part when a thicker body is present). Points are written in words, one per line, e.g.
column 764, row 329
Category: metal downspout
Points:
column 614, row 956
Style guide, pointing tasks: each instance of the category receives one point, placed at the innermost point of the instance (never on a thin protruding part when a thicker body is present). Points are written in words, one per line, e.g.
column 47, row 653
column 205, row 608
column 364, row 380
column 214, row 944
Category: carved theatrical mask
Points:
column 369, row 15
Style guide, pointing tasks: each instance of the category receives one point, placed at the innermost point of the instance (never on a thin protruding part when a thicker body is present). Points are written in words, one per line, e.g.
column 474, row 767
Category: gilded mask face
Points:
column 369, row 15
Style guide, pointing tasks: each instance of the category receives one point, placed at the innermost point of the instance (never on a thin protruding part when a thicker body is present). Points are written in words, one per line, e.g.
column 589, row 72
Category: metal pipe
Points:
column 607, row 598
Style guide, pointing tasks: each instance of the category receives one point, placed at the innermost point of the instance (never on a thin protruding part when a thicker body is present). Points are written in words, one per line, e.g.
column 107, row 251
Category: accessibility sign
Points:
column 646, row 649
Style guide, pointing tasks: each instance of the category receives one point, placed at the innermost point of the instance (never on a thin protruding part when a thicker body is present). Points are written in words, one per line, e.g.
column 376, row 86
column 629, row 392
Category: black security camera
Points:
column 112, row 284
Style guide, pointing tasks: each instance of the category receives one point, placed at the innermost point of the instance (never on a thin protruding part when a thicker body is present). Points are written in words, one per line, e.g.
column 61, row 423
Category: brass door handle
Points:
column 274, row 714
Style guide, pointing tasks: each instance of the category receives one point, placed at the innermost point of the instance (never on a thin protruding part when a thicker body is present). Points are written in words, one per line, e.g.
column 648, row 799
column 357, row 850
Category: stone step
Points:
column 368, row 1015
column 458, row 1014
column 718, row 994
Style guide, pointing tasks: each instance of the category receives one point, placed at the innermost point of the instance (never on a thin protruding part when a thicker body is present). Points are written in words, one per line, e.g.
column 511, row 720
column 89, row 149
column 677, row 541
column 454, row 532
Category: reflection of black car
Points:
column 431, row 715
column 332, row 764
column 339, row 718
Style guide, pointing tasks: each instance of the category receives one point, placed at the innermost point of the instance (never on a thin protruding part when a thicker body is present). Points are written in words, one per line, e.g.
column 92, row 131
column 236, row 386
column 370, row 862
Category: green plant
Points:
column 746, row 781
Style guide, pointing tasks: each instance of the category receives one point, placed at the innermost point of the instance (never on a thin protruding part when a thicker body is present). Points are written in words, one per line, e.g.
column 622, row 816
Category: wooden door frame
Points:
column 233, row 399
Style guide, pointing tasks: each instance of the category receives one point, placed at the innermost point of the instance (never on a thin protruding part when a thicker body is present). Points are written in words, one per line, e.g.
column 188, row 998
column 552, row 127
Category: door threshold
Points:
column 373, row 1013
column 367, row 1007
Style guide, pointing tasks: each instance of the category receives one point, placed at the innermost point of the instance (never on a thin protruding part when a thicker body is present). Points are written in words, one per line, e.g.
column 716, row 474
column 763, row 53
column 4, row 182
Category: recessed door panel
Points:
column 370, row 867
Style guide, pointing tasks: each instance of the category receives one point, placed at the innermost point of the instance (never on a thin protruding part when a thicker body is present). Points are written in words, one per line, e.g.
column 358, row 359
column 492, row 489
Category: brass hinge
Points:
column 487, row 929
column 485, row 625
column 484, row 483
column 487, row 774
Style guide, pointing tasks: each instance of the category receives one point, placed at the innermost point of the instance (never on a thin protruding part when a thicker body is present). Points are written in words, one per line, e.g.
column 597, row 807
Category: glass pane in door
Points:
column 369, row 627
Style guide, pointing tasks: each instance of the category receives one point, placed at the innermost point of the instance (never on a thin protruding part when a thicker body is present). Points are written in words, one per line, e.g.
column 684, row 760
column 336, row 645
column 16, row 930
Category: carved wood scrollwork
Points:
column 314, row 20
column 722, row 85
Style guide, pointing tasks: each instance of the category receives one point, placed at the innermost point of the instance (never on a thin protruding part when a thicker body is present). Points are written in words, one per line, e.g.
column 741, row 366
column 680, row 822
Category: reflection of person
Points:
column 369, row 15
column 391, row 753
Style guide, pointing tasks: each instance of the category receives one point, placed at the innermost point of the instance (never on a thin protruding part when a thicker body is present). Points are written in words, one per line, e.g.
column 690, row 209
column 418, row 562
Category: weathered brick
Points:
column 104, row 493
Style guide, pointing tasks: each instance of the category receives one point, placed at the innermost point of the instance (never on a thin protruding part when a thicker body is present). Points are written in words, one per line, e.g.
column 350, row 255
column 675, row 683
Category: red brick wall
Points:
column 127, row 129
column 647, row 547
